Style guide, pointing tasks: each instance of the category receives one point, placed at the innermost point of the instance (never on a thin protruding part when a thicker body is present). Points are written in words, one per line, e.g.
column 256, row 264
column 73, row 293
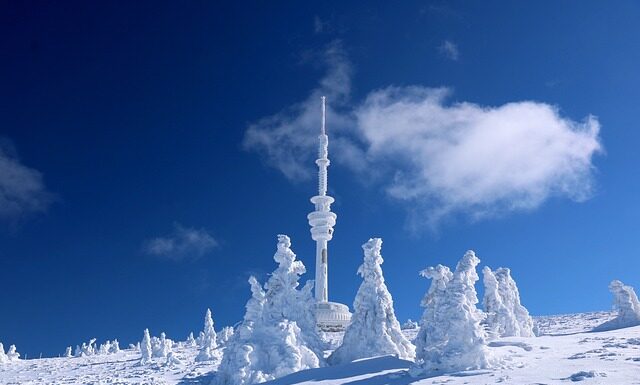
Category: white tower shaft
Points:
column 322, row 219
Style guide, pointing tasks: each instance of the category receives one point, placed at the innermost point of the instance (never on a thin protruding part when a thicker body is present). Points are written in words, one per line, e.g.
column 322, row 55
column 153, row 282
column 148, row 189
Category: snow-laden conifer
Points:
column 12, row 353
column 145, row 347
column 190, row 340
column 506, row 317
column 68, row 352
column 451, row 337
column 627, row 306
column 208, row 344
column 162, row 346
column 225, row 335
column 271, row 342
column 374, row 329
column 3, row 356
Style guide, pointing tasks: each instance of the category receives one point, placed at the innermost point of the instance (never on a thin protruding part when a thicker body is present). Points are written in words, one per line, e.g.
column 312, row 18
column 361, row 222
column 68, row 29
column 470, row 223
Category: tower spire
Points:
column 322, row 219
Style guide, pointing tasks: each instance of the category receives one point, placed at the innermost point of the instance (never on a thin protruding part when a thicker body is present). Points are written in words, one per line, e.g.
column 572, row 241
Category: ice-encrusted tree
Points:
column 271, row 341
column 451, row 337
column 145, row 347
column 208, row 344
column 12, row 353
column 161, row 347
column 626, row 304
column 225, row 335
column 374, row 329
column 3, row 356
column 68, row 352
column 506, row 317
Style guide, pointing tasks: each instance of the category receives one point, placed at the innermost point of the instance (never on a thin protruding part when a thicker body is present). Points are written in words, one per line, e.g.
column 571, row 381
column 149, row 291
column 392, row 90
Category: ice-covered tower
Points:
column 330, row 315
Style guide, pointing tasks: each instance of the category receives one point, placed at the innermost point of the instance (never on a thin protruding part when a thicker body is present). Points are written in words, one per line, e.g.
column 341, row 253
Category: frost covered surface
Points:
column 374, row 329
column 277, row 336
column 613, row 358
column 625, row 304
column 451, row 337
column 506, row 317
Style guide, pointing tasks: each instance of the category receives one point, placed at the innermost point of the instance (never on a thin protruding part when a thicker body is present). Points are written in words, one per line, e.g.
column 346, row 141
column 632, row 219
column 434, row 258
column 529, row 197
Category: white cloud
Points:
column 22, row 190
column 182, row 244
column 283, row 139
column 450, row 50
column 477, row 160
column 442, row 159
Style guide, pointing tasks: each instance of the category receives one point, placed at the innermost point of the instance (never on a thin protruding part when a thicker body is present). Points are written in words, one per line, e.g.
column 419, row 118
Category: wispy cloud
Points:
column 443, row 159
column 283, row 139
column 449, row 50
column 22, row 189
column 181, row 244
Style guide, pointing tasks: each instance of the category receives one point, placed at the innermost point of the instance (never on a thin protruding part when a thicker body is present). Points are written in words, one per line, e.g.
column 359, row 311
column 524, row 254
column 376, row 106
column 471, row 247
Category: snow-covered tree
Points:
column 3, row 356
column 275, row 338
column 208, row 344
column 284, row 300
column 87, row 349
column 190, row 340
column 145, row 347
column 12, row 354
column 225, row 335
column 68, row 352
column 162, row 346
column 374, row 329
column 115, row 346
column 451, row 337
column 506, row 317
column 626, row 304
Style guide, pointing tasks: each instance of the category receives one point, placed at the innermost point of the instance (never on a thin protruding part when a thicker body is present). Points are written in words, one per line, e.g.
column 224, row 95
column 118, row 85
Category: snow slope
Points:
column 566, row 352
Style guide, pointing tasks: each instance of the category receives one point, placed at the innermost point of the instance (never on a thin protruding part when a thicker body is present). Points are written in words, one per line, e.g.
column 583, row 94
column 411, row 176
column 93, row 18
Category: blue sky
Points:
column 151, row 152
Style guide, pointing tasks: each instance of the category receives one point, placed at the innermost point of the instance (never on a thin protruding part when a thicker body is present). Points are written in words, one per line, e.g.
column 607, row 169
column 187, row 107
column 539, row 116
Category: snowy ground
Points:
column 566, row 353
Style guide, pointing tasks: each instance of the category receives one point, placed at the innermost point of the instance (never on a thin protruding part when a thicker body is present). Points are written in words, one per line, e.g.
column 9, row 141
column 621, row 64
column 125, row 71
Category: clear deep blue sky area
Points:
column 151, row 151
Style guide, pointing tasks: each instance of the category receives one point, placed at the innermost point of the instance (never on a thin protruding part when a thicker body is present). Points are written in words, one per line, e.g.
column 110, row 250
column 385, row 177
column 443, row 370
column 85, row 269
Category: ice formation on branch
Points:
column 207, row 342
column 451, row 337
column 145, row 347
column 277, row 336
column 626, row 304
column 374, row 329
column 506, row 317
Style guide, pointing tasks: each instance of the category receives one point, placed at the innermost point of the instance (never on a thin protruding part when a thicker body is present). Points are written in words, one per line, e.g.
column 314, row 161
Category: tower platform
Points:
column 332, row 316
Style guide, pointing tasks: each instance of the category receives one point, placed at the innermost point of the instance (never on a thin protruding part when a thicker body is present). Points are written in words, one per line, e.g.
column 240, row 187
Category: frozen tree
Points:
column 145, row 347
column 626, row 304
column 68, row 352
column 190, row 340
column 115, row 347
column 208, row 344
column 160, row 347
column 506, row 317
column 374, row 329
column 87, row 349
column 451, row 337
column 3, row 356
column 104, row 348
column 225, row 335
column 275, row 338
column 12, row 354
column 284, row 300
